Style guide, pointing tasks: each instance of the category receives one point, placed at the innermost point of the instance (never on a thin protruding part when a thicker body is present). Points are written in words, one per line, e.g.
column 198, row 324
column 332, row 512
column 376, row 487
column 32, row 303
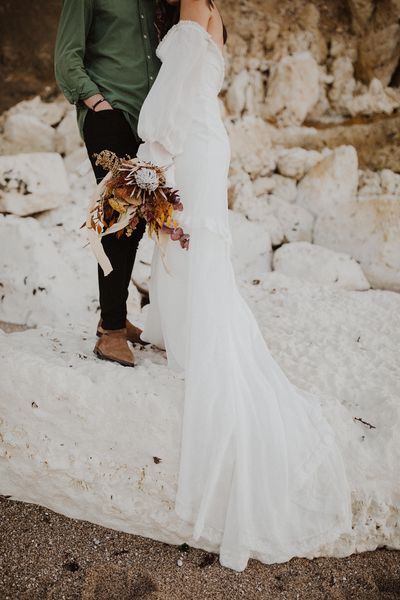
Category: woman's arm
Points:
column 196, row 10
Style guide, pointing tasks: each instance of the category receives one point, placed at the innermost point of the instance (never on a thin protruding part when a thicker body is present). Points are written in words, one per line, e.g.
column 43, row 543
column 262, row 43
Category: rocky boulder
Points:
column 25, row 133
column 251, row 146
column 313, row 263
column 69, row 421
column 331, row 183
column 368, row 229
column 31, row 183
column 293, row 89
column 38, row 284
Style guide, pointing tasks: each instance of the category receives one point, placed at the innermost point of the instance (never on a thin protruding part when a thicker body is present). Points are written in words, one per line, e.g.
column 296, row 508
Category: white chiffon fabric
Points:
column 260, row 472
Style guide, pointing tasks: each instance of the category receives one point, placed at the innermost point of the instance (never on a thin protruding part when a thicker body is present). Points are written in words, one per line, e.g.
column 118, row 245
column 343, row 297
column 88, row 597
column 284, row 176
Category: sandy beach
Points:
column 46, row 556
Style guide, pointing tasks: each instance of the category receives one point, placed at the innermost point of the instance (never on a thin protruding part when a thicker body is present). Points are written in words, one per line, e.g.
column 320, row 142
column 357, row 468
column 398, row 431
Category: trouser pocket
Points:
column 108, row 130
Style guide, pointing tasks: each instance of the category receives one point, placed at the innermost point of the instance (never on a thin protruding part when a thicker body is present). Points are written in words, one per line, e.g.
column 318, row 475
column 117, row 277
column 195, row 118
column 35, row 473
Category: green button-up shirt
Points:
column 107, row 47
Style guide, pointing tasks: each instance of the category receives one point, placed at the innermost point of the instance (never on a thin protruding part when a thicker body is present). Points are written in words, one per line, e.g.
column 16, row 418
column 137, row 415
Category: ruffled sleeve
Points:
column 166, row 114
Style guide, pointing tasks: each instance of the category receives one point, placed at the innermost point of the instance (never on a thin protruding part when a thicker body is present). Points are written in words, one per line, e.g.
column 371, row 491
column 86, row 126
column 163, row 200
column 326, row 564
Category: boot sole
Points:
column 141, row 342
column 120, row 362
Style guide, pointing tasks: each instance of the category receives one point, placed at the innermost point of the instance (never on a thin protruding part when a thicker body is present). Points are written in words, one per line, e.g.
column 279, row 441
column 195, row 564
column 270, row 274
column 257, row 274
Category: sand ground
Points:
column 46, row 556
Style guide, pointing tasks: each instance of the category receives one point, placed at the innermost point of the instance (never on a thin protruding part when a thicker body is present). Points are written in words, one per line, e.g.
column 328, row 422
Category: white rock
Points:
column 284, row 187
column 295, row 221
column 295, row 136
column 31, row 183
column 38, row 283
column 273, row 226
column 67, row 428
column 254, row 208
column 343, row 45
column 240, row 190
column 251, row 145
column 295, row 162
column 331, row 183
column 50, row 113
column 342, row 90
column 68, row 138
column 369, row 230
column 142, row 267
column 255, row 91
column 251, row 246
column 351, row 97
column 376, row 99
column 323, row 107
column 24, row 133
column 78, row 162
column 319, row 265
column 390, row 182
column 82, row 180
column 237, row 93
column 369, row 183
column 222, row 108
column 282, row 220
column 293, row 89
column 263, row 185
column 375, row 183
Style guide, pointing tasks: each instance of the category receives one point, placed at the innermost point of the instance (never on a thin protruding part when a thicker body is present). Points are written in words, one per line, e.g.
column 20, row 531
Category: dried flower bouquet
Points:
column 135, row 189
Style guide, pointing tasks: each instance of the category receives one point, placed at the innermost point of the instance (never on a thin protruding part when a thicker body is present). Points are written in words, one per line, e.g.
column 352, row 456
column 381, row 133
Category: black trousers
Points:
column 109, row 130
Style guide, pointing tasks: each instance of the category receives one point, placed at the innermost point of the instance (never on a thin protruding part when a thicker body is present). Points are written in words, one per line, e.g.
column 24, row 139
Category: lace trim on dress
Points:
column 187, row 24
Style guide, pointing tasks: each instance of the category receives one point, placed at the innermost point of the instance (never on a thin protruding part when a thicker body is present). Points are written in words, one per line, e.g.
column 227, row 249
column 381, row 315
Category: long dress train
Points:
column 260, row 472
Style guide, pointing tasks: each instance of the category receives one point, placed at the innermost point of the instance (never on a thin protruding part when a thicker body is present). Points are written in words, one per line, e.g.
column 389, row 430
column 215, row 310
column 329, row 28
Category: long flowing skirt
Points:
column 260, row 474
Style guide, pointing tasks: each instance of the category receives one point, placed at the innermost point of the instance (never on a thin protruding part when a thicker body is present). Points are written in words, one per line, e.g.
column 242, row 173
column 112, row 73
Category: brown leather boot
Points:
column 113, row 345
column 132, row 332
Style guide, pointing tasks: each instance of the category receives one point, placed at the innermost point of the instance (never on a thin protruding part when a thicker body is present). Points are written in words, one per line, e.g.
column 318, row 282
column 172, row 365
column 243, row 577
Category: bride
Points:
column 260, row 472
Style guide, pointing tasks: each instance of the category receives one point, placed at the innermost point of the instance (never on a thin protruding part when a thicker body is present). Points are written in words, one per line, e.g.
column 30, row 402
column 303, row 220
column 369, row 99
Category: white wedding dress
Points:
column 260, row 472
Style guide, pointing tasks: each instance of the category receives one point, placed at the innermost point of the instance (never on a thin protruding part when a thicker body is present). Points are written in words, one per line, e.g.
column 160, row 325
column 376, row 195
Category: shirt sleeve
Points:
column 71, row 76
column 166, row 114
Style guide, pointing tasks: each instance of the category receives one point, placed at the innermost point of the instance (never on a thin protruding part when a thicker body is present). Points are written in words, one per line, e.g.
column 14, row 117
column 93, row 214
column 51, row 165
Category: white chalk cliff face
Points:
column 315, row 201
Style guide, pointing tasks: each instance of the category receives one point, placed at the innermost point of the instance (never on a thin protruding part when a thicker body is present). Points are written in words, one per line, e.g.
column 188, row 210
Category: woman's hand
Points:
column 177, row 234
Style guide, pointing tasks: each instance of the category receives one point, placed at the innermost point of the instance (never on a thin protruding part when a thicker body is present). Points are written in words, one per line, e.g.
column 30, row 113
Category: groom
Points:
column 105, row 64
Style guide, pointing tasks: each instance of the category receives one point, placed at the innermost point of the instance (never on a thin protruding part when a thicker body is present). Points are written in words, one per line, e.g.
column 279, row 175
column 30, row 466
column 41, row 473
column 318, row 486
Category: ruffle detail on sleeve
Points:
column 167, row 112
column 162, row 47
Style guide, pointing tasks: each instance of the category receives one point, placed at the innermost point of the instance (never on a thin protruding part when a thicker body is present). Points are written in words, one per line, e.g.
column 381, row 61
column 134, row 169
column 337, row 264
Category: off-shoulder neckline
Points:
column 194, row 25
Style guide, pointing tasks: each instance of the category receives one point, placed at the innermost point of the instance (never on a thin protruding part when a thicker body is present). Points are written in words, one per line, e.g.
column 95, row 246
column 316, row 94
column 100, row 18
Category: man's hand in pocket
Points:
column 94, row 103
